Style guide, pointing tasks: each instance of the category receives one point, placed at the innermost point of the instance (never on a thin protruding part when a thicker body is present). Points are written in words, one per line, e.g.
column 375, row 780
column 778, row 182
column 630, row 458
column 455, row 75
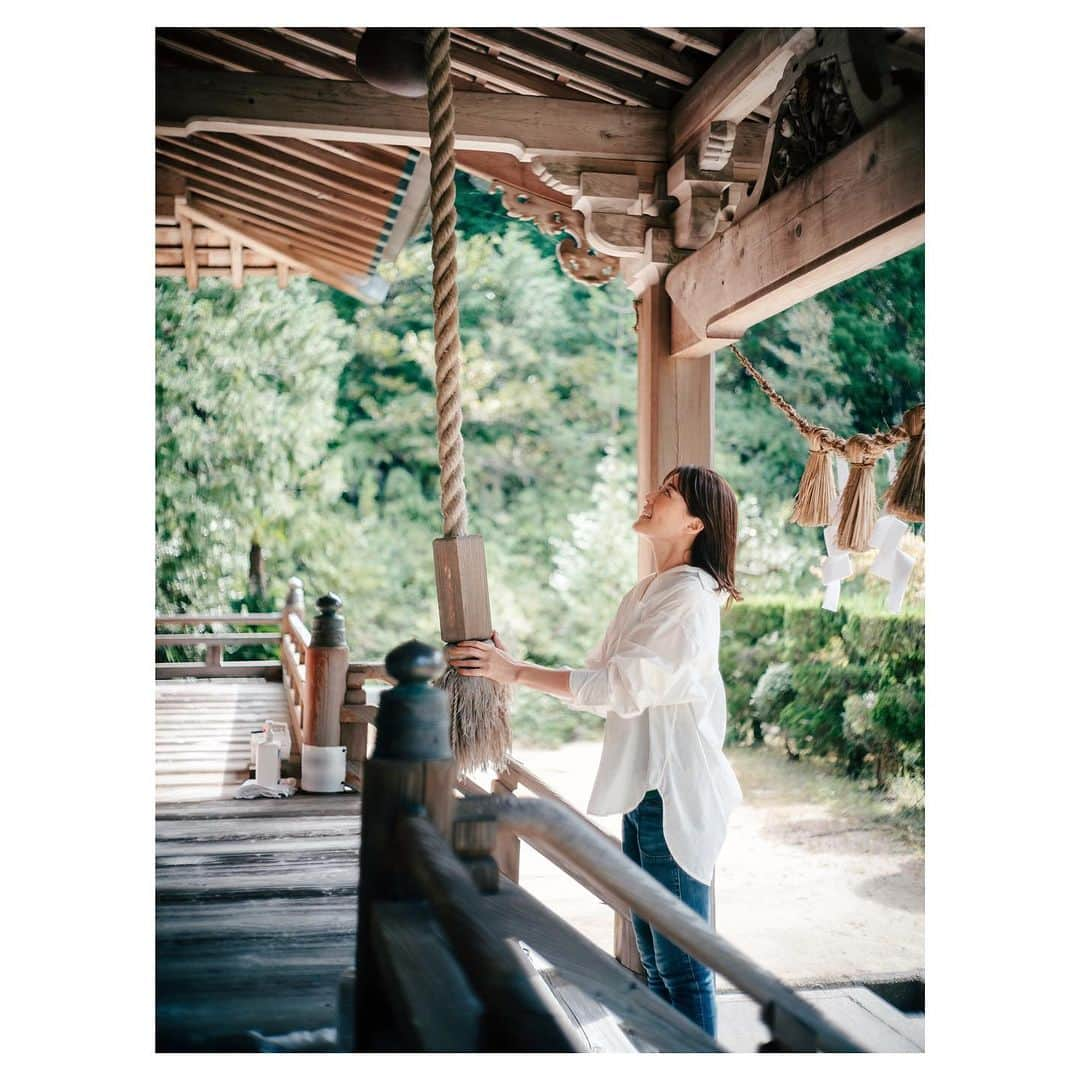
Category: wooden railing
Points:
column 214, row 665
column 419, row 843
column 356, row 728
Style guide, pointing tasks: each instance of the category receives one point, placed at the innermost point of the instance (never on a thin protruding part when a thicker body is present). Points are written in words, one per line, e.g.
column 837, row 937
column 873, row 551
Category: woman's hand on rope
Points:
column 486, row 658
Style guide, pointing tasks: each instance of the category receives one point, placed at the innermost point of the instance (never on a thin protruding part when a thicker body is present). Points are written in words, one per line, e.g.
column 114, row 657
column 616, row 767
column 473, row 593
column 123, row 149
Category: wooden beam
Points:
column 219, row 54
column 506, row 169
column 740, row 79
column 319, row 180
column 684, row 39
column 676, row 404
column 335, row 223
column 215, row 271
column 279, row 252
column 236, row 250
column 481, row 65
column 187, row 242
column 192, row 101
column 236, row 165
column 301, row 247
column 333, row 40
column 280, row 49
column 633, row 48
column 411, row 209
column 345, row 255
column 282, row 274
column 354, row 167
column 569, row 65
column 852, row 211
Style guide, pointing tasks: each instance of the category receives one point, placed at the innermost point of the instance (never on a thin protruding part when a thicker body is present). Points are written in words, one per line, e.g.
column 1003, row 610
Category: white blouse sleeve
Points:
column 591, row 660
column 655, row 663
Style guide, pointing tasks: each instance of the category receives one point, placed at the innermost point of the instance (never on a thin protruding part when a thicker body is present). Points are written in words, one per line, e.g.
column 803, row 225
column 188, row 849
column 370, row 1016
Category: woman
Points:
column 654, row 679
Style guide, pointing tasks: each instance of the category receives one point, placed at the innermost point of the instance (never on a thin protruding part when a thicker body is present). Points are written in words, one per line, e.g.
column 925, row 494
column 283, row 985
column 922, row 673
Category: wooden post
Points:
column 626, row 950
column 411, row 766
column 294, row 605
column 215, row 657
column 676, row 404
column 325, row 669
column 461, row 587
column 294, row 602
column 507, row 851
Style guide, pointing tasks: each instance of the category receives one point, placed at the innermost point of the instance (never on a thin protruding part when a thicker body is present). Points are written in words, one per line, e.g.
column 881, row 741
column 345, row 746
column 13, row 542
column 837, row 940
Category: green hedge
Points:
column 849, row 688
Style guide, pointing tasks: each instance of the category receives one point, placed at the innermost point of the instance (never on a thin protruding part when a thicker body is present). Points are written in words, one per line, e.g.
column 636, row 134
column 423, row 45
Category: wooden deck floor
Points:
column 256, row 916
column 256, row 905
column 202, row 734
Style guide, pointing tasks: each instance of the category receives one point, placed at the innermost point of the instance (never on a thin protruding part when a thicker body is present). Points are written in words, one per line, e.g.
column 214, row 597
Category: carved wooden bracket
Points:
column 650, row 267
column 717, row 144
column 573, row 252
column 825, row 100
column 707, row 200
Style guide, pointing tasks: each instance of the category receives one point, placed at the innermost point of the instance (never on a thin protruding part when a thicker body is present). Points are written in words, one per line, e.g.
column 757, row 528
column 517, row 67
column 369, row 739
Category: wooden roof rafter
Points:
column 648, row 144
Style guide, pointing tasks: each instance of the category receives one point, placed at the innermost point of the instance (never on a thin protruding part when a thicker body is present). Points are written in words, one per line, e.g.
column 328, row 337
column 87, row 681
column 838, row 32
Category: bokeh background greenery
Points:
column 302, row 421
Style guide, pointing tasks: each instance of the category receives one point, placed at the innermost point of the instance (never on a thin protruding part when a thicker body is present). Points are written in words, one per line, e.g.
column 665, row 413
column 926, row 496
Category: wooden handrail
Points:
column 299, row 632
column 795, row 1023
column 503, row 979
column 214, row 664
column 192, row 640
column 242, row 618
column 361, row 671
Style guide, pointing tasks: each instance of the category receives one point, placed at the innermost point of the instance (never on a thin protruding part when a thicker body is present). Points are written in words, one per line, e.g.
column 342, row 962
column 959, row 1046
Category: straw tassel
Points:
column 817, row 489
column 479, row 720
column 905, row 498
column 858, row 503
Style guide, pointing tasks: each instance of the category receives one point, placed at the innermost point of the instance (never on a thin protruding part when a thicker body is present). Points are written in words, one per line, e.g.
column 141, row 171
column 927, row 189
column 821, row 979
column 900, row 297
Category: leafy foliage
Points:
column 840, row 685
column 304, row 420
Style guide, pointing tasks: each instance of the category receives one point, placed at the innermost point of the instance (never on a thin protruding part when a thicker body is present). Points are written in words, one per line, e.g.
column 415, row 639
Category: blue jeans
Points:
column 679, row 979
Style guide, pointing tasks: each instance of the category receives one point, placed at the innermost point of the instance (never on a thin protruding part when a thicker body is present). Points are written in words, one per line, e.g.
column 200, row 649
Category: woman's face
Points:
column 665, row 515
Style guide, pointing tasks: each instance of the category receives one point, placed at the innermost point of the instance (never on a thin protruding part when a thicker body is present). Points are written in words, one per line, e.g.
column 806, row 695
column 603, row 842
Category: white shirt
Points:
column 654, row 678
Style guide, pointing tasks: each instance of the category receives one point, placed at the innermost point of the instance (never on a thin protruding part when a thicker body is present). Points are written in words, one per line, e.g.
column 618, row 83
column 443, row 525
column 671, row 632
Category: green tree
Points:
column 246, row 382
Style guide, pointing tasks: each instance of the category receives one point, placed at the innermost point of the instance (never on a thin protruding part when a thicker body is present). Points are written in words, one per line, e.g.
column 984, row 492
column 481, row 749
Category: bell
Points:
column 392, row 59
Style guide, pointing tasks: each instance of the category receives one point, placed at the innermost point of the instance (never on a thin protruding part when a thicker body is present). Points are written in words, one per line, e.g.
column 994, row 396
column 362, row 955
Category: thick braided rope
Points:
column 822, row 437
column 440, row 99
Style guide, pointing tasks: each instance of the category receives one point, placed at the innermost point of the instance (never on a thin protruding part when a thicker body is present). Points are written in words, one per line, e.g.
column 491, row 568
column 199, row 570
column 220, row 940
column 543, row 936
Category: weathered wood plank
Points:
column 432, row 1000
column 515, row 913
column 523, row 125
column 740, row 79
column 863, row 205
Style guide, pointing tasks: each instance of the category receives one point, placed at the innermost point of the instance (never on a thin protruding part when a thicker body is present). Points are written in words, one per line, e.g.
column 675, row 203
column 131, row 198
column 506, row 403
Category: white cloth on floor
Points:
column 250, row 789
column 654, row 678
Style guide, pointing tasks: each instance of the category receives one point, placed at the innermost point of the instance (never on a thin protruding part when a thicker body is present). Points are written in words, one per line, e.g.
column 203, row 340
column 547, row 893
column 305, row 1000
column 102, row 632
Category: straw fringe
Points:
column 906, row 497
column 858, row 503
column 817, row 489
column 479, row 720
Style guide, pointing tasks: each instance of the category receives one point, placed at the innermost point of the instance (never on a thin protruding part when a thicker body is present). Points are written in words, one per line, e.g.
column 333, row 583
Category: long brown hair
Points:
column 709, row 497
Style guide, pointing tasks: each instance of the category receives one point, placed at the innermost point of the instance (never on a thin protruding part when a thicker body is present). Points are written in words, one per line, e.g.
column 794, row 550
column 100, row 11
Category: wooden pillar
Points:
column 294, row 605
column 507, row 844
column 326, row 667
column 294, row 602
column 676, row 403
column 411, row 766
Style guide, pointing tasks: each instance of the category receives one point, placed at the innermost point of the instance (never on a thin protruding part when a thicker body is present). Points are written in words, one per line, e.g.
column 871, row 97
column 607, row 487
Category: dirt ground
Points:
column 818, row 880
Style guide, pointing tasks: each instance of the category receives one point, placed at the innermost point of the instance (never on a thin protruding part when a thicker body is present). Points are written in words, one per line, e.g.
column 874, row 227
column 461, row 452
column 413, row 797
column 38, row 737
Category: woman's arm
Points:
column 491, row 660
column 555, row 681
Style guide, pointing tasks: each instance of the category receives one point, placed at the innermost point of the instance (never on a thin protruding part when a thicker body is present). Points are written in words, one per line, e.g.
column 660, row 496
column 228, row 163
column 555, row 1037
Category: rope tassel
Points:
column 817, row 489
column 905, row 498
column 479, row 720
column 858, row 503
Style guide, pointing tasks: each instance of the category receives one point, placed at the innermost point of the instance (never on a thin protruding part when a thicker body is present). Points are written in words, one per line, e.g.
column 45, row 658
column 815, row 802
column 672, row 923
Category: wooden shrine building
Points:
column 721, row 174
